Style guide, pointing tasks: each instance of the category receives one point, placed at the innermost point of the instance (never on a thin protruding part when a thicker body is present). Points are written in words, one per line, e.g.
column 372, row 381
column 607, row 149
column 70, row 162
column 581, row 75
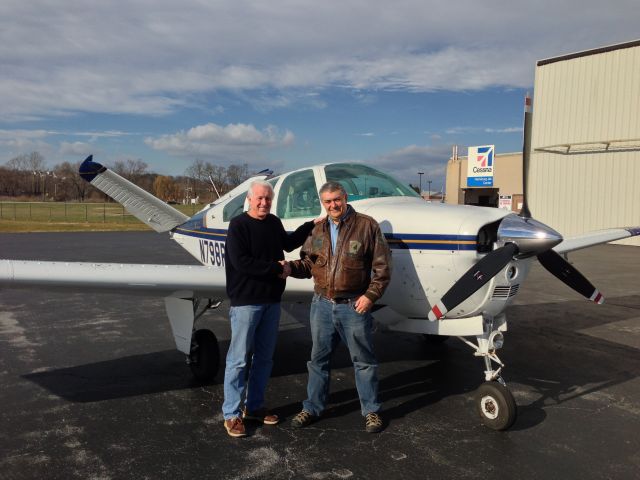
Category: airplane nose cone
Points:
column 531, row 236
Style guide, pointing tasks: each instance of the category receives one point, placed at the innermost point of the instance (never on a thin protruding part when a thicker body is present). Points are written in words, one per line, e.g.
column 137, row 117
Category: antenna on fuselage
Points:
column 214, row 186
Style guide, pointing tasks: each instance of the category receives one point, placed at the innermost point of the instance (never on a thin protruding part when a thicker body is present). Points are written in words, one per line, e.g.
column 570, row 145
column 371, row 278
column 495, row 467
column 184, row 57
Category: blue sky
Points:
column 282, row 84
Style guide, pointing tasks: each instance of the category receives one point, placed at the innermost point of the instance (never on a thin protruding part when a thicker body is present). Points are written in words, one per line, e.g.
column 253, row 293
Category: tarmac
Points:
column 92, row 386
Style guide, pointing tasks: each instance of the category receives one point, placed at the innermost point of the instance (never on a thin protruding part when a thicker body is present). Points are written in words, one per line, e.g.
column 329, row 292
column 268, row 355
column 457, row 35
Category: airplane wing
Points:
column 152, row 280
column 131, row 279
column 141, row 204
column 589, row 239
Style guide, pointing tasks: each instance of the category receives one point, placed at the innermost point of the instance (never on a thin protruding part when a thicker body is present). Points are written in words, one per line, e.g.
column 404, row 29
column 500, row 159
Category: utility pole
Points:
column 420, row 176
column 429, row 182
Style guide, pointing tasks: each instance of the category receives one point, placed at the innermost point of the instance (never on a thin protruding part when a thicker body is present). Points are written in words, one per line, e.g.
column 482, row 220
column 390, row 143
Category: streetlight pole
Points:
column 420, row 176
column 429, row 182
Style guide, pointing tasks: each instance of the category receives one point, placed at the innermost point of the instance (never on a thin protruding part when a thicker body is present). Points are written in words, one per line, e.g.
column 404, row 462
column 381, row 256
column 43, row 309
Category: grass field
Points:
column 66, row 217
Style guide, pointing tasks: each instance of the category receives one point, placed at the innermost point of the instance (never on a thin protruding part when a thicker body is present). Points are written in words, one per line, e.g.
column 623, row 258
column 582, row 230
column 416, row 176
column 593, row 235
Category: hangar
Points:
column 585, row 143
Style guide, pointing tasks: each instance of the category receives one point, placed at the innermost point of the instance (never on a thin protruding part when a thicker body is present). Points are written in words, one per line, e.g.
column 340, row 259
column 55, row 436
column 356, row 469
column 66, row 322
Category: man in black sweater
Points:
column 255, row 282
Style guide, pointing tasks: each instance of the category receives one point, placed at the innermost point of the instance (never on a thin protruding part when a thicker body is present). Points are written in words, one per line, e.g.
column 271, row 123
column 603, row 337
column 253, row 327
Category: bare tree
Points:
column 74, row 184
column 217, row 175
column 28, row 173
column 236, row 174
column 130, row 169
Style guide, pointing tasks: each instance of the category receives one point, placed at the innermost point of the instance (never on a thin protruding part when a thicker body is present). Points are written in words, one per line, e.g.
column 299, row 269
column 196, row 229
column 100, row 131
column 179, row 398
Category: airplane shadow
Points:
column 117, row 378
column 552, row 361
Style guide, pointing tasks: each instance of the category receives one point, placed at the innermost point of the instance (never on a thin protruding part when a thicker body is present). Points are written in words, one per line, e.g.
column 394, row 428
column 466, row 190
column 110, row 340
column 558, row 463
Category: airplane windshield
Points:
column 361, row 181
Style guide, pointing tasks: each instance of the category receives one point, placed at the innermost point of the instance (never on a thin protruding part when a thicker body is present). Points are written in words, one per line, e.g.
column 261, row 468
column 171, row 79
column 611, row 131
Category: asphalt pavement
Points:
column 93, row 388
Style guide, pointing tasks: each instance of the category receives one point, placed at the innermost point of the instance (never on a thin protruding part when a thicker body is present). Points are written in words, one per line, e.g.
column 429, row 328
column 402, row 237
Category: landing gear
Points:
column 495, row 405
column 204, row 358
column 494, row 401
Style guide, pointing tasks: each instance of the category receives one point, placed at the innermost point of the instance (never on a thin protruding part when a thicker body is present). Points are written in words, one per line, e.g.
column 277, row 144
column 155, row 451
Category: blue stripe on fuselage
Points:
column 409, row 241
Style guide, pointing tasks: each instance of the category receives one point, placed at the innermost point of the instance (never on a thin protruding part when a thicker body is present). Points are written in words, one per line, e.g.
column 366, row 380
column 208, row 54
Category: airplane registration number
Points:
column 212, row 252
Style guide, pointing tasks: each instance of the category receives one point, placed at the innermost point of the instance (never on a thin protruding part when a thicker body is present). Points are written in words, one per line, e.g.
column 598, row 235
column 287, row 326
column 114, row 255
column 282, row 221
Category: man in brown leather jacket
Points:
column 350, row 262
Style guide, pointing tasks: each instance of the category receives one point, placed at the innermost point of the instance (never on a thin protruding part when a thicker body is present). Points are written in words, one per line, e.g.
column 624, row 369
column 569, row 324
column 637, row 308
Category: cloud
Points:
column 76, row 148
column 467, row 130
column 158, row 58
column 504, row 130
column 229, row 142
column 405, row 163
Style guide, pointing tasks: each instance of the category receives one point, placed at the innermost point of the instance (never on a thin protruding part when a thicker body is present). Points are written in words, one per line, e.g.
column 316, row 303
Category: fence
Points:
column 72, row 212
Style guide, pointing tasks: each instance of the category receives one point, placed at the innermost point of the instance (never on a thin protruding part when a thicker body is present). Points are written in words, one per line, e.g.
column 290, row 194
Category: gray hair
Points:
column 332, row 187
column 259, row 183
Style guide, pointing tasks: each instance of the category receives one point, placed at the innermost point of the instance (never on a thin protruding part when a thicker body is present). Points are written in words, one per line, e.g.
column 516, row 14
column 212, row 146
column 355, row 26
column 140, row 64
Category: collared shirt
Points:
column 334, row 228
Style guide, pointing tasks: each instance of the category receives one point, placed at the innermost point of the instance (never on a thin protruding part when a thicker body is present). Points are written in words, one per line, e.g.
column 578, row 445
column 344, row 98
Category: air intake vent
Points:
column 505, row 292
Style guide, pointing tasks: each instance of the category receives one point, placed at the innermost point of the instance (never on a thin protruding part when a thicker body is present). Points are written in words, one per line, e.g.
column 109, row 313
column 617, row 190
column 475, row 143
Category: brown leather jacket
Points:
column 361, row 250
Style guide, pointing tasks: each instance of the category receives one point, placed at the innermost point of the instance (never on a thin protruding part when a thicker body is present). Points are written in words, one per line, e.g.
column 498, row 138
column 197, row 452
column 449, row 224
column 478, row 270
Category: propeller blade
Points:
column 562, row 269
column 473, row 279
column 526, row 151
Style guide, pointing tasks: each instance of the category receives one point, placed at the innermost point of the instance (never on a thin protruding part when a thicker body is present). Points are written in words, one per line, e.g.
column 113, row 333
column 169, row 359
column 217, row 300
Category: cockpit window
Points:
column 361, row 181
column 298, row 196
column 234, row 208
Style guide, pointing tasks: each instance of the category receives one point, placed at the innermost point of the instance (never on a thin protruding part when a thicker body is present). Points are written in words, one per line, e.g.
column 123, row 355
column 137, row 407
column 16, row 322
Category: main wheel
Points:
column 495, row 405
column 204, row 358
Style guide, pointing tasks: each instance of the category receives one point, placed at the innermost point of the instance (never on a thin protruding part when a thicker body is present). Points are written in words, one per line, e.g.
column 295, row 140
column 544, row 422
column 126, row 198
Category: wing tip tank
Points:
column 89, row 169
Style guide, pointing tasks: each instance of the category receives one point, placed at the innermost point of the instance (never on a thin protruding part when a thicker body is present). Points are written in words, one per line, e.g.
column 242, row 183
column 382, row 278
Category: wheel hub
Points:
column 489, row 407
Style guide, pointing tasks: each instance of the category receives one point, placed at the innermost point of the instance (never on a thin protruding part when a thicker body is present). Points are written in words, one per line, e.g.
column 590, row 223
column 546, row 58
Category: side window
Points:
column 298, row 196
column 234, row 208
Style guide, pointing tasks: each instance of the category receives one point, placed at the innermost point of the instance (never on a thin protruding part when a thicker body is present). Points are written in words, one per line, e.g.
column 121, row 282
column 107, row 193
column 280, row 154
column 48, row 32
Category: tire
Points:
column 205, row 355
column 495, row 405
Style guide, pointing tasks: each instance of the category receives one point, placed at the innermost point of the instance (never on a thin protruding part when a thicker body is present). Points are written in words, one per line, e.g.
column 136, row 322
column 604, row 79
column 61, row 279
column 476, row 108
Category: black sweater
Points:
column 252, row 252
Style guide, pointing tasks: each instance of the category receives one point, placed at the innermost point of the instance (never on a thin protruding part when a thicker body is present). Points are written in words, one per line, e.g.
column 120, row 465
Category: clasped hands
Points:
column 286, row 269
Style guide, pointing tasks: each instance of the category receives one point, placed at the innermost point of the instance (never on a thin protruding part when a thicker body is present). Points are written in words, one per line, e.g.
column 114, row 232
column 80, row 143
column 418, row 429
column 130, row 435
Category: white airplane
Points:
column 462, row 265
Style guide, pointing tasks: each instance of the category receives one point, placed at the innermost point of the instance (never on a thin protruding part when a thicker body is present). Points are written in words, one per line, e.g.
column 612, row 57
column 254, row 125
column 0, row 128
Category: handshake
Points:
column 286, row 269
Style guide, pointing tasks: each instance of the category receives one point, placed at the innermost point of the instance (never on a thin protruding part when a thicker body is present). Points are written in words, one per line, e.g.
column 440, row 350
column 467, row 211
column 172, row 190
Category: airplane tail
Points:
column 141, row 204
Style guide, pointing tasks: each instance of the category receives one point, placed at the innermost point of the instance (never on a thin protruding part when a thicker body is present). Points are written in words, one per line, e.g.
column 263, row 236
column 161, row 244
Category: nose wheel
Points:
column 495, row 405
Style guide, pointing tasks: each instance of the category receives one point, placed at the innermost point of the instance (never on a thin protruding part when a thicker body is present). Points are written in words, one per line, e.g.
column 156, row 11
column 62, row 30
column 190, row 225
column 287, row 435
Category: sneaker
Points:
column 373, row 422
column 235, row 427
column 261, row 415
column 303, row 419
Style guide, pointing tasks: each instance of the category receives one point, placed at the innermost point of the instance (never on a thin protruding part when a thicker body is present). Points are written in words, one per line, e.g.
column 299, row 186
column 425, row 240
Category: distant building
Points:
column 507, row 183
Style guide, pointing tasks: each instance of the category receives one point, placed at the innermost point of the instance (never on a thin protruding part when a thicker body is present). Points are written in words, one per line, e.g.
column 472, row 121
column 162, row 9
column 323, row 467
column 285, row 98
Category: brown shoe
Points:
column 303, row 419
column 261, row 415
column 235, row 427
column 373, row 422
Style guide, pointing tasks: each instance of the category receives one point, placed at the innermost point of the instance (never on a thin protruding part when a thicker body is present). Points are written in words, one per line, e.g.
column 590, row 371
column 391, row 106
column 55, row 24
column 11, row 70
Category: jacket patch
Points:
column 354, row 246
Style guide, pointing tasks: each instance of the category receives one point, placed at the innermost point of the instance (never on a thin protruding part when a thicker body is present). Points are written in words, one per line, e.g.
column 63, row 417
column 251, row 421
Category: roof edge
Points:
column 586, row 53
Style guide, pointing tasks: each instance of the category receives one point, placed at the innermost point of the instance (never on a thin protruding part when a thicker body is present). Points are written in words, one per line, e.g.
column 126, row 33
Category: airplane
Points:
column 456, row 268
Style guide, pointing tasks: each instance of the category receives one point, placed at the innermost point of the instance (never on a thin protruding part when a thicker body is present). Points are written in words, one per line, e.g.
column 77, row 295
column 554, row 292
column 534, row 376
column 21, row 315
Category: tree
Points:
column 236, row 174
column 74, row 185
column 132, row 170
column 164, row 188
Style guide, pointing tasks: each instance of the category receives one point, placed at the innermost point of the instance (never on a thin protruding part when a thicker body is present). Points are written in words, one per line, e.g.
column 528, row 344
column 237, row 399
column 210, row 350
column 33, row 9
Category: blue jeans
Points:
column 254, row 328
column 331, row 322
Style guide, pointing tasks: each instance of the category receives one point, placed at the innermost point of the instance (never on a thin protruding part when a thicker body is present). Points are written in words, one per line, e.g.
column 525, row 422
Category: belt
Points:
column 339, row 300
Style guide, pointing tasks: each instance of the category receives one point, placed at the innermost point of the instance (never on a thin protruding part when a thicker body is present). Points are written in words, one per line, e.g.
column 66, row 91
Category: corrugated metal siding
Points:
column 587, row 99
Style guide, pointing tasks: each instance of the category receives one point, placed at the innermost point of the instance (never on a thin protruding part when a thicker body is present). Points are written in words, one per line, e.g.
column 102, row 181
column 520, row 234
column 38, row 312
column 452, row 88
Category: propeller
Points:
column 519, row 236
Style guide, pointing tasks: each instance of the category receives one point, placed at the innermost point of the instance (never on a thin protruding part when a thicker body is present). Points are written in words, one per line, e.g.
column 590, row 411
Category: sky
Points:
column 282, row 84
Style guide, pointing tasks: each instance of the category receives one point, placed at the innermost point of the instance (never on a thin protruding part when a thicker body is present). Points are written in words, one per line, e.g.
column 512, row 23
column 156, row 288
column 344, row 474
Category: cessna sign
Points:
column 480, row 166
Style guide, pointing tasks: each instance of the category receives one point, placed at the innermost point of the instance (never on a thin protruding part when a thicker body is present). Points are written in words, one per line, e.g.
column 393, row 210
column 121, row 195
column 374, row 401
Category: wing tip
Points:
column 89, row 169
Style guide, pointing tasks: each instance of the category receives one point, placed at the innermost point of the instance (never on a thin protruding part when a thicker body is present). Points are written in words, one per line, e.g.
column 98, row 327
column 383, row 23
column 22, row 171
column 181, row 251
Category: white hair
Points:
column 259, row 183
